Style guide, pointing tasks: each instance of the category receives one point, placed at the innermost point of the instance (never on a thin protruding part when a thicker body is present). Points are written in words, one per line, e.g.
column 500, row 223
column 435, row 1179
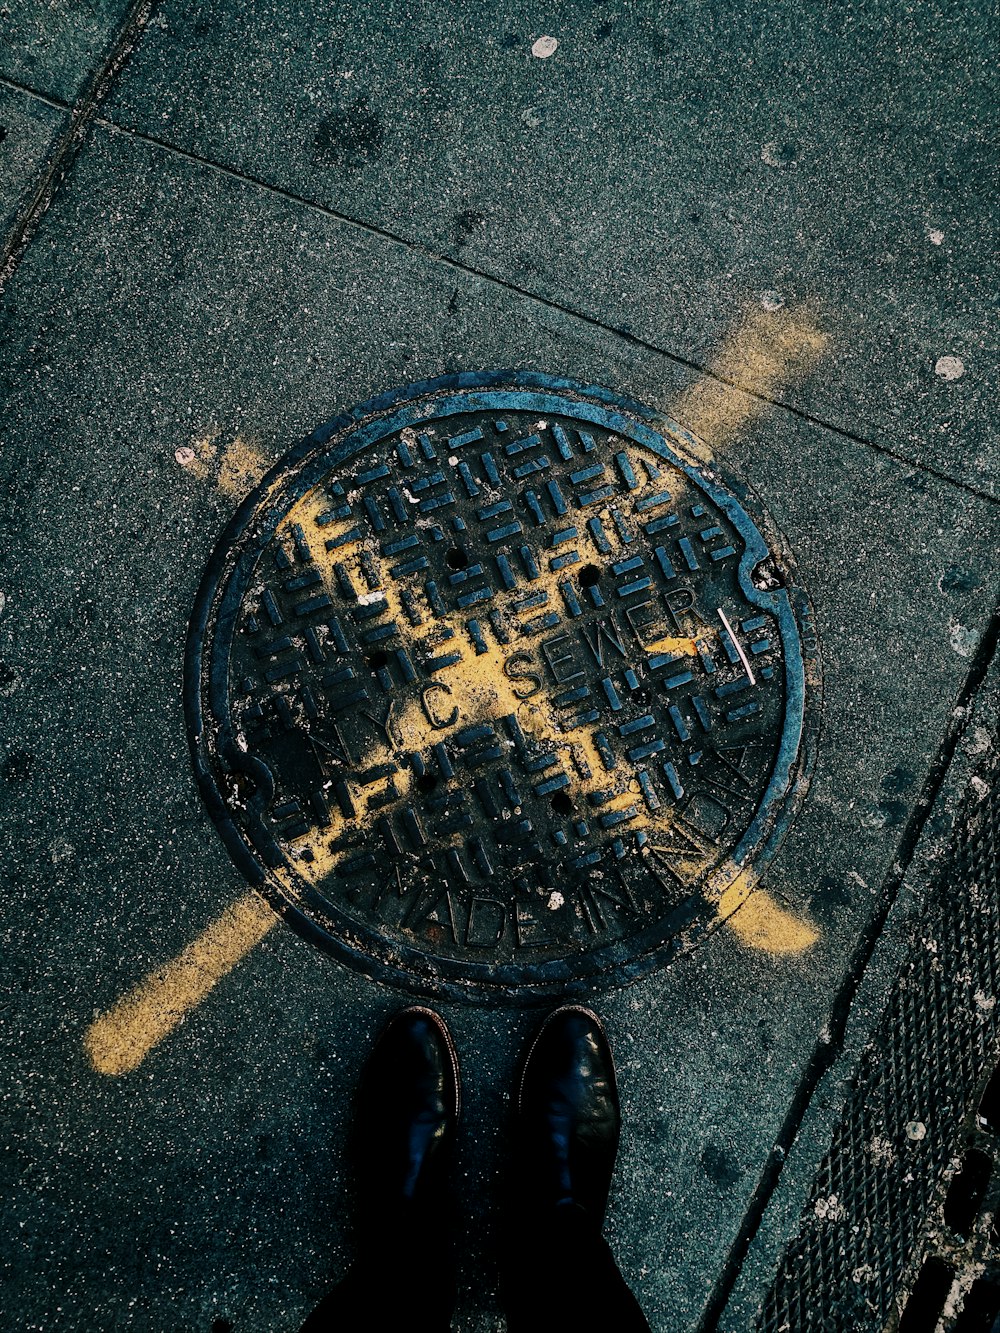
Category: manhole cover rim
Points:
column 351, row 434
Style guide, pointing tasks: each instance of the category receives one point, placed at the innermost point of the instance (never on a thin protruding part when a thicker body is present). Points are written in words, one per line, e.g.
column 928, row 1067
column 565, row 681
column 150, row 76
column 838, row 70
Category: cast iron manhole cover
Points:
column 495, row 693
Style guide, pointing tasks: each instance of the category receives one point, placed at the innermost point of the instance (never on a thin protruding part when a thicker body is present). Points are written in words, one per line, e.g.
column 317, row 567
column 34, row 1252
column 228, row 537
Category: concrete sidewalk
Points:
column 229, row 223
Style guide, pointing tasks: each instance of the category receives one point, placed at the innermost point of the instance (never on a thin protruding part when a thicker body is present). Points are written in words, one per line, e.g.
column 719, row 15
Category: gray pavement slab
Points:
column 55, row 47
column 29, row 131
column 163, row 306
column 654, row 170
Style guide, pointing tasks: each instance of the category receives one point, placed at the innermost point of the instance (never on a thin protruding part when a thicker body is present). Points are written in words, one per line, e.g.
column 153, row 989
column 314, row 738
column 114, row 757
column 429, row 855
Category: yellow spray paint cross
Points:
column 761, row 356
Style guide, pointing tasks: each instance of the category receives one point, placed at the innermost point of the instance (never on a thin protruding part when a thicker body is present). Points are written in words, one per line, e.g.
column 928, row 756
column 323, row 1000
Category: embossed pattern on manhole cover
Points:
column 495, row 693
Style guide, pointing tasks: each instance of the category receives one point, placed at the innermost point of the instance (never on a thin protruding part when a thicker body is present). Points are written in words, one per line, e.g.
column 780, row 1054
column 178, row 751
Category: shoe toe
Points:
column 408, row 1107
column 569, row 1112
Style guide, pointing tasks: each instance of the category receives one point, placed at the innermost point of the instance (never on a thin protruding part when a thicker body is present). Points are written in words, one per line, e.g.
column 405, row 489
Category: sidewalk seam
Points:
column 84, row 110
column 548, row 303
column 47, row 98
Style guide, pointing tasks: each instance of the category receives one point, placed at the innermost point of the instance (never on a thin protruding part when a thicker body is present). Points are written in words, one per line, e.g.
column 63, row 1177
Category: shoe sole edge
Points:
column 449, row 1045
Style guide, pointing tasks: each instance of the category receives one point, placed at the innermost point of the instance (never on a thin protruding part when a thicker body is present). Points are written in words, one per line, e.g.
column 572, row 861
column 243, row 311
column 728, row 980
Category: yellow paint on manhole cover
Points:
column 496, row 692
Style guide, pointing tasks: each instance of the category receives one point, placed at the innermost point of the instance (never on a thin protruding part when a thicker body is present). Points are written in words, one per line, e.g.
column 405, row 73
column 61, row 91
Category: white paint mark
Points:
column 962, row 639
column 368, row 598
column 556, row 901
column 916, row 1130
column 949, row 367
column 984, row 1003
column 544, row 47
column 980, row 787
column 772, row 301
column 977, row 741
column 736, row 644
column 3, row 602
column 184, row 455
column 830, row 1210
column 934, row 236
column 882, row 1151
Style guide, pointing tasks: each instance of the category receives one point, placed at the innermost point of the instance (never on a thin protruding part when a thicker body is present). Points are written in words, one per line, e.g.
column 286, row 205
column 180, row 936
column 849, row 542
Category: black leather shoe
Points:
column 407, row 1111
column 568, row 1118
column 403, row 1275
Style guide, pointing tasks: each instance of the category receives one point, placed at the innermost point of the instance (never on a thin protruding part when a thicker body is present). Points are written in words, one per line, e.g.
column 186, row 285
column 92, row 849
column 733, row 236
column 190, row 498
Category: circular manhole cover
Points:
column 495, row 692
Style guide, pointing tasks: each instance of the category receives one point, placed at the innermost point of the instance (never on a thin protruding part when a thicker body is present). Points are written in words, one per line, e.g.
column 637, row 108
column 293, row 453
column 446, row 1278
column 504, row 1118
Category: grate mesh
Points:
column 872, row 1200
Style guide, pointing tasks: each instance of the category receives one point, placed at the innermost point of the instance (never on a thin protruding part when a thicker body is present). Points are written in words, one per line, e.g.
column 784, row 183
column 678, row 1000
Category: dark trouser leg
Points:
column 370, row 1300
column 404, row 1281
column 561, row 1277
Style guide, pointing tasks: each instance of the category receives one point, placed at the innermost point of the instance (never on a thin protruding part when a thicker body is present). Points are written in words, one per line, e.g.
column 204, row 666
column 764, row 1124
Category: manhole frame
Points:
column 410, row 968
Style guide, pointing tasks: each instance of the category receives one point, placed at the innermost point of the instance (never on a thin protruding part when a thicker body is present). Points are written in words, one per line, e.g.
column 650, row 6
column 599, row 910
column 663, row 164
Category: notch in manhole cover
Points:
column 494, row 692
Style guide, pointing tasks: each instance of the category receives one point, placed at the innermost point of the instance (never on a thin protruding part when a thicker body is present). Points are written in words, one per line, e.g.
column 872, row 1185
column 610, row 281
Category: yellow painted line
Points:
column 765, row 352
column 241, row 466
column 120, row 1039
column 759, row 921
column 762, row 923
column 235, row 469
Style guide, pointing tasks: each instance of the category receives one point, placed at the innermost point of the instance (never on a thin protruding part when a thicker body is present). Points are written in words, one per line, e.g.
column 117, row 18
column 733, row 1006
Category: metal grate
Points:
column 874, row 1224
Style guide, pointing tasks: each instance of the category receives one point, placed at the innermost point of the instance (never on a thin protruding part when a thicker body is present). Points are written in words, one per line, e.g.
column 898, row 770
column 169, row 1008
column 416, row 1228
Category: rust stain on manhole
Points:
column 494, row 693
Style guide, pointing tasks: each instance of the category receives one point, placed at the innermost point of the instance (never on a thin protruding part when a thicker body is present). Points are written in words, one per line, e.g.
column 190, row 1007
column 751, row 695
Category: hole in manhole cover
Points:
column 495, row 693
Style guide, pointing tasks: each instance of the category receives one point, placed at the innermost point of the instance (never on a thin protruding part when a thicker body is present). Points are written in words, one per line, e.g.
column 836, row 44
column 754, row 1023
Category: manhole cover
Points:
column 495, row 693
